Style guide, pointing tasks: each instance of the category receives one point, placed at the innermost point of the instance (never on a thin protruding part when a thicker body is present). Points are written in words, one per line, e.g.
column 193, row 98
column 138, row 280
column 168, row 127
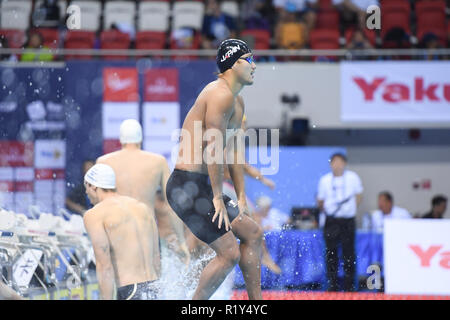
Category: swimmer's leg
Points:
column 251, row 236
column 227, row 256
column 268, row 261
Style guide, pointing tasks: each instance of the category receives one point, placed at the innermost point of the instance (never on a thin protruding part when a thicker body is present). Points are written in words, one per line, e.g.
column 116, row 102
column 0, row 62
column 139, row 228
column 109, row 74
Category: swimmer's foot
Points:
column 269, row 263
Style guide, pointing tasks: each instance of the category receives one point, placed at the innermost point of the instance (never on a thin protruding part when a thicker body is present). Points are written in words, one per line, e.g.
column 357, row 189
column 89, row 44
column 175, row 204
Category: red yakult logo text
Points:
column 401, row 92
column 425, row 255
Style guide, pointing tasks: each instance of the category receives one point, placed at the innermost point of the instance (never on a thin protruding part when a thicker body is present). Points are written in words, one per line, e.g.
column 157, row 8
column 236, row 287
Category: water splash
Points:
column 178, row 281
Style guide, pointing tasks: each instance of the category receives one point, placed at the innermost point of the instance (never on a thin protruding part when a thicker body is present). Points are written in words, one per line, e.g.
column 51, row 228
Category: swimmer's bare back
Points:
column 138, row 173
column 214, row 94
column 123, row 232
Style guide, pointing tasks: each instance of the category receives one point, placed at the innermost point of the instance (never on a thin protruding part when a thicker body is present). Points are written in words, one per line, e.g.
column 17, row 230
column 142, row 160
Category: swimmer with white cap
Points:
column 124, row 236
column 140, row 174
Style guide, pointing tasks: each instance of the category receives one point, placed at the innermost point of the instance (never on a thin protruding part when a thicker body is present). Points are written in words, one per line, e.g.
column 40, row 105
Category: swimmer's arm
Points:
column 177, row 223
column 216, row 122
column 236, row 169
column 100, row 243
column 256, row 174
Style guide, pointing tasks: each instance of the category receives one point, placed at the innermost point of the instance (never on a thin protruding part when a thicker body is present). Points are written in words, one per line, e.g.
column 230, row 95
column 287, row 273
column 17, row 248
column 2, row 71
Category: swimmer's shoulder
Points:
column 155, row 157
column 218, row 88
column 92, row 215
column 133, row 203
column 221, row 95
column 142, row 206
column 107, row 157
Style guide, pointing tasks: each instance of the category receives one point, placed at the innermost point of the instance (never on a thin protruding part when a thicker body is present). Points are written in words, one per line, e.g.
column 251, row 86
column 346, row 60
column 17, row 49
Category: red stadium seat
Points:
column 195, row 46
column 151, row 40
column 324, row 39
column 79, row 40
column 394, row 19
column 328, row 19
column 325, row 4
column 113, row 39
column 320, row 39
column 448, row 34
column 427, row 6
column 16, row 38
column 370, row 35
column 395, row 5
column 441, row 33
column 431, row 18
column 395, row 13
column 261, row 38
column 50, row 35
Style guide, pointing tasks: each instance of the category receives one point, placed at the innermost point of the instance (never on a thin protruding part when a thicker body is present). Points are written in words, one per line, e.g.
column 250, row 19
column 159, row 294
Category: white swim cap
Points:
column 130, row 131
column 102, row 176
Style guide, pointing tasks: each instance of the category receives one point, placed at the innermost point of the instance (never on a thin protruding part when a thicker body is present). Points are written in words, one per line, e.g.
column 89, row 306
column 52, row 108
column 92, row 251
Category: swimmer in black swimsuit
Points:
column 148, row 290
column 194, row 190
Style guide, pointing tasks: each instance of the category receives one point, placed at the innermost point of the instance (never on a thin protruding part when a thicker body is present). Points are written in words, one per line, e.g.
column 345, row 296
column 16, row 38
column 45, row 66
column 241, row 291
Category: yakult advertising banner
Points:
column 120, row 102
column 161, row 111
column 395, row 92
column 417, row 256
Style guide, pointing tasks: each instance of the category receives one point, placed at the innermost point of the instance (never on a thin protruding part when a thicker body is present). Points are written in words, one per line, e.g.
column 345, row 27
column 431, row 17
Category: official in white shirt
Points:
column 339, row 194
column 387, row 210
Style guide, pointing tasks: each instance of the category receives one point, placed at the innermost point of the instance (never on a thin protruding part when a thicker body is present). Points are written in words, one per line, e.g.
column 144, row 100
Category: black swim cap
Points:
column 229, row 52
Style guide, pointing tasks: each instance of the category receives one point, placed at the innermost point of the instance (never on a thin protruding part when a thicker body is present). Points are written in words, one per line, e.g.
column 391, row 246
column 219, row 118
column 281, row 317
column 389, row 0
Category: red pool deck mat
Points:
column 298, row 295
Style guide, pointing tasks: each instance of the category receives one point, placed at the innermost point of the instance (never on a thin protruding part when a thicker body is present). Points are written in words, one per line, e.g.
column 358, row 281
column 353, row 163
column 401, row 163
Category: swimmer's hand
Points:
column 221, row 212
column 180, row 249
column 183, row 253
column 243, row 208
column 268, row 182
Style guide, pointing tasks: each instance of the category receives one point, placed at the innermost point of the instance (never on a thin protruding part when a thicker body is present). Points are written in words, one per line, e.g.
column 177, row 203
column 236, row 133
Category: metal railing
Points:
column 344, row 53
column 24, row 234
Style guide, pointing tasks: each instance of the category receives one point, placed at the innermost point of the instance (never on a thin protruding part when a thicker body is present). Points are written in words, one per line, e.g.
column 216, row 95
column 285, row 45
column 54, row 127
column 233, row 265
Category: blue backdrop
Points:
column 296, row 180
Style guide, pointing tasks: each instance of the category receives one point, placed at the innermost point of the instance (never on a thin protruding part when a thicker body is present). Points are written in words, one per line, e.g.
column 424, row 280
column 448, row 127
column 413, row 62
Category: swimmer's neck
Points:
column 230, row 79
column 131, row 146
column 102, row 195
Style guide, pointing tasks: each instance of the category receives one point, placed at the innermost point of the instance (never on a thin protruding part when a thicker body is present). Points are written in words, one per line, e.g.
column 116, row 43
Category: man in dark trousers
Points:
column 339, row 194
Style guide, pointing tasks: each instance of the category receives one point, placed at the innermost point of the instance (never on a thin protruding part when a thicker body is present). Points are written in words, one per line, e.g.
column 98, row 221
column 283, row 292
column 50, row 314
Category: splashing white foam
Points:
column 178, row 281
